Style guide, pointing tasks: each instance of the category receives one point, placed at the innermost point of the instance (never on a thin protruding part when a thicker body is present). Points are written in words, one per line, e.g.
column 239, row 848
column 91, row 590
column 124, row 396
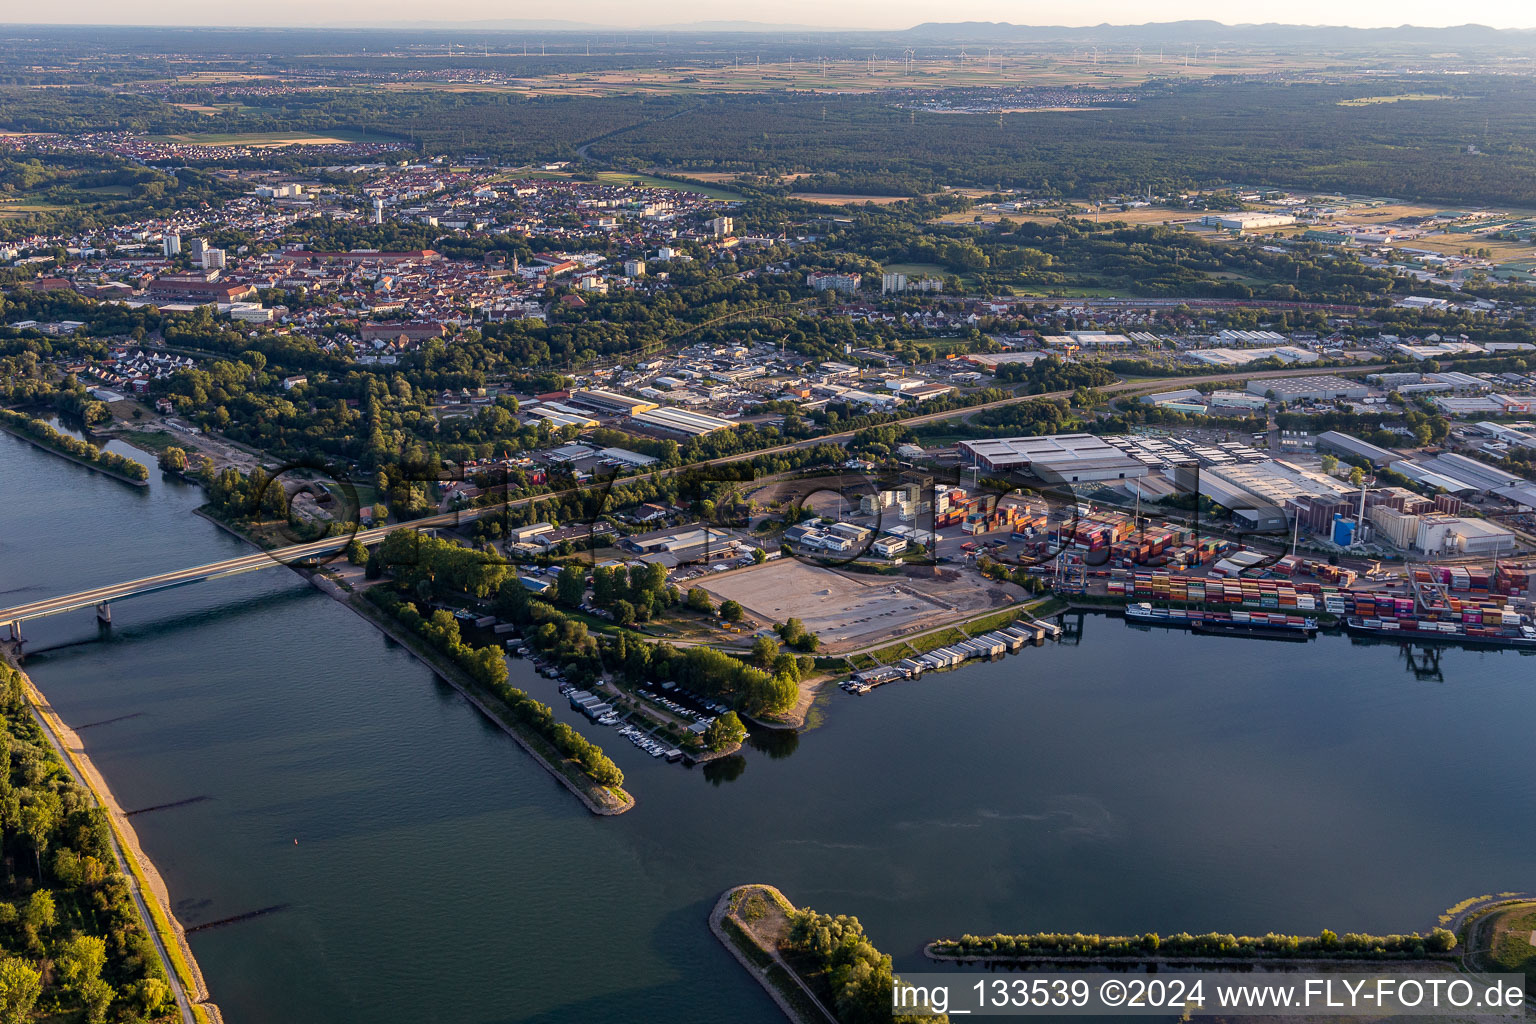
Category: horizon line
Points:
column 741, row 27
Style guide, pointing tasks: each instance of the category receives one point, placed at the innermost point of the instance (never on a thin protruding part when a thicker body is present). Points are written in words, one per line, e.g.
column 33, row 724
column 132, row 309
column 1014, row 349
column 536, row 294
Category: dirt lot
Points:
column 849, row 610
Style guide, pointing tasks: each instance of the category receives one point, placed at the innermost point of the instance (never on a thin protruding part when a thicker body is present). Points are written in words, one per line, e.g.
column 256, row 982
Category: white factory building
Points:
column 1453, row 535
column 1253, row 221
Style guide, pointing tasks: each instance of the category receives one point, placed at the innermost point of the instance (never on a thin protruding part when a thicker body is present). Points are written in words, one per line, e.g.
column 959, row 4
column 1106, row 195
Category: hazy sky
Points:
column 882, row 14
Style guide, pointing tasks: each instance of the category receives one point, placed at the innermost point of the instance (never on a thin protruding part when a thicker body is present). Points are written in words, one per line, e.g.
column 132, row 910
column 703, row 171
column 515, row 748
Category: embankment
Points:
column 69, row 456
column 595, row 797
column 749, row 920
column 145, row 882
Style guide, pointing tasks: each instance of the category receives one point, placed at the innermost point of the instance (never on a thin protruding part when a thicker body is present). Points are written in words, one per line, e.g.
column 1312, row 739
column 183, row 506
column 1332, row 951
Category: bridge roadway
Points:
column 101, row 597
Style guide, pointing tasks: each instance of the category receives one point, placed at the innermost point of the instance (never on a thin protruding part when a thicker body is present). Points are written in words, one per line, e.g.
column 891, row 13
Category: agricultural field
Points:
column 1407, row 97
column 948, row 69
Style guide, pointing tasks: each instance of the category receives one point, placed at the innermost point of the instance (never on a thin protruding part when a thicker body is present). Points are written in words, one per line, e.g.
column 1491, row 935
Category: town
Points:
column 524, row 469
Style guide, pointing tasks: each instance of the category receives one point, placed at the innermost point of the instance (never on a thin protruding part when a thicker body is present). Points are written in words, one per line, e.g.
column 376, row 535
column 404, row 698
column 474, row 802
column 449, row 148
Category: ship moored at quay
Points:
column 1433, row 631
column 1259, row 625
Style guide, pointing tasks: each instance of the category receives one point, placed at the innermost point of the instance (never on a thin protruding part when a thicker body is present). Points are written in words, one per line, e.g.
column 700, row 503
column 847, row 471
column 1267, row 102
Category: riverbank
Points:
column 748, row 920
column 145, row 883
column 1436, row 947
column 599, row 799
column 69, row 456
column 1496, row 934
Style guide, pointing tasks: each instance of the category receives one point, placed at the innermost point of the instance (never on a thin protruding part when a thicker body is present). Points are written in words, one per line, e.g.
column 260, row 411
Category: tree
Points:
column 81, row 959
column 764, row 650
column 759, row 556
column 357, row 552
column 731, row 611
column 570, row 586
column 1356, row 476
column 97, row 996
column 1330, row 464
column 698, row 600
column 724, row 731
column 151, row 994
column 173, row 460
column 38, row 821
column 20, row 986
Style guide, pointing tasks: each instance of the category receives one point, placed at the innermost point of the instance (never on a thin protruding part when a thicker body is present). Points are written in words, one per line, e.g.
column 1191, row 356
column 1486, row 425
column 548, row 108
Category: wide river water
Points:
column 428, row 870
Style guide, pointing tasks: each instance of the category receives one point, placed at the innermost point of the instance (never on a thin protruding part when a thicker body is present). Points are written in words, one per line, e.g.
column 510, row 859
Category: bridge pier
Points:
column 15, row 641
column 104, row 614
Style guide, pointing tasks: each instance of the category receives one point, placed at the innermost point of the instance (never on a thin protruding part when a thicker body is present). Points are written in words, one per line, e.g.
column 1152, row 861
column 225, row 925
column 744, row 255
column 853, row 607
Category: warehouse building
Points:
column 1421, row 474
column 1165, row 397
column 1327, row 387
column 1067, row 457
column 625, row 457
column 1340, row 443
column 611, row 403
column 680, row 421
column 1479, row 475
column 1264, row 495
column 1236, row 400
column 559, row 415
column 1509, row 435
column 1253, row 221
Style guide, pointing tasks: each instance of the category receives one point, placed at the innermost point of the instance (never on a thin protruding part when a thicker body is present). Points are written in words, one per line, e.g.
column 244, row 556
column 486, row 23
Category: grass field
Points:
column 916, row 269
column 1407, row 97
column 1511, row 946
column 650, row 181
column 845, row 199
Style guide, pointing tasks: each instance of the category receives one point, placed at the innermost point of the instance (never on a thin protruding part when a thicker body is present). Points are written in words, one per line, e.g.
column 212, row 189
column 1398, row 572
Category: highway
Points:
column 15, row 616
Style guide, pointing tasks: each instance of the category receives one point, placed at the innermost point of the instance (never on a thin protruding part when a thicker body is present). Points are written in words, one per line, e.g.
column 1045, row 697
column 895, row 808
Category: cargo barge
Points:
column 1250, row 630
column 1256, row 625
column 1429, row 631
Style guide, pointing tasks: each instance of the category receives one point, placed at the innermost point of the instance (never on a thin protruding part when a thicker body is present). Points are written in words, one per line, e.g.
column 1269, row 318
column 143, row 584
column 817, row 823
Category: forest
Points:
column 1177, row 136
column 1469, row 148
column 72, row 946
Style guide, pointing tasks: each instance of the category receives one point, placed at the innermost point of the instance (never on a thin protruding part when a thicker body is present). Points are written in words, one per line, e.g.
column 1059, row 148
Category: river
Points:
column 428, row 870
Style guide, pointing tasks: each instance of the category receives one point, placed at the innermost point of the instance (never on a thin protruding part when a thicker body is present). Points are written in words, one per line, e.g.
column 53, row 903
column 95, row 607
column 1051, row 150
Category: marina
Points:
column 985, row 647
